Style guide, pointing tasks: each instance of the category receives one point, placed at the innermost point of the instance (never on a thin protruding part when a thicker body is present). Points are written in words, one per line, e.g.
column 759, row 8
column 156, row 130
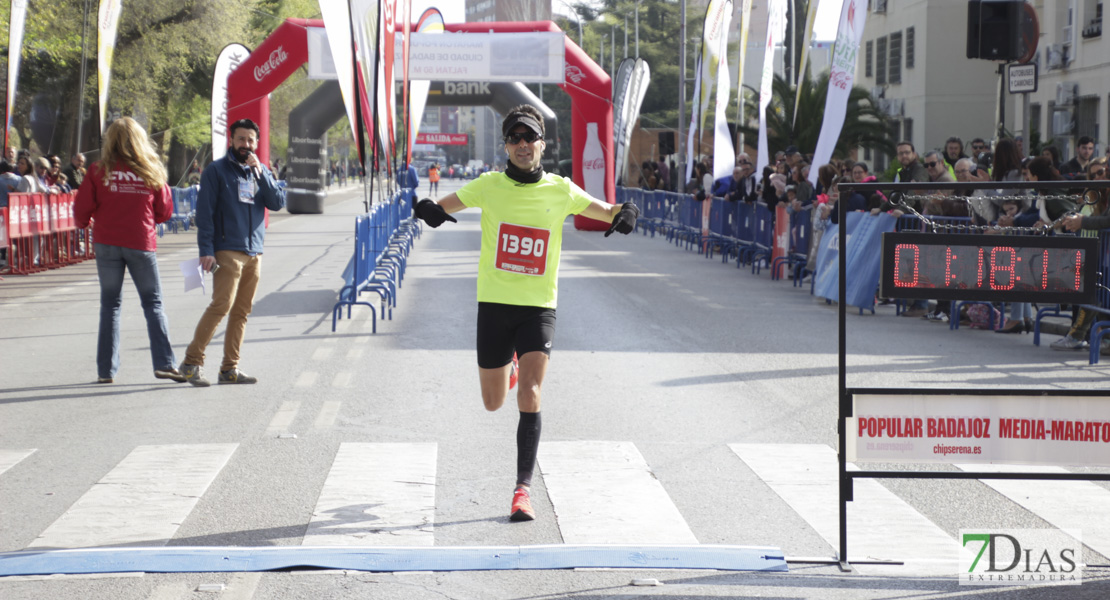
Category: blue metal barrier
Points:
column 383, row 239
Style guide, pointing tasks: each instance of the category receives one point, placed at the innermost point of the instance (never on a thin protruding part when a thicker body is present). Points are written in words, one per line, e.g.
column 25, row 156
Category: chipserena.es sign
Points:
column 1071, row 430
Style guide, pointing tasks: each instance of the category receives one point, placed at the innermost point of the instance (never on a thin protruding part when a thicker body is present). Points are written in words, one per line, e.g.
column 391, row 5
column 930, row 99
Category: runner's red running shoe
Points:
column 522, row 506
column 513, row 372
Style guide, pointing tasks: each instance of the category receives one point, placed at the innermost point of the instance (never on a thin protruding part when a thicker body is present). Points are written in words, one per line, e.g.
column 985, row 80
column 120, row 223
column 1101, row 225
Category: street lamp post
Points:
column 579, row 20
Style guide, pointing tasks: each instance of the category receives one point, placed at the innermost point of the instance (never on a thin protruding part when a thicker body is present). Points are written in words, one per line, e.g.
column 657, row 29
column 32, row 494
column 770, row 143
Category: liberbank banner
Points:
column 534, row 57
column 972, row 428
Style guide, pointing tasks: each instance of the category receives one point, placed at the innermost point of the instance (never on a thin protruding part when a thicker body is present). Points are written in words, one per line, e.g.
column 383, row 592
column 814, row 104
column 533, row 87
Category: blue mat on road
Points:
column 184, row 559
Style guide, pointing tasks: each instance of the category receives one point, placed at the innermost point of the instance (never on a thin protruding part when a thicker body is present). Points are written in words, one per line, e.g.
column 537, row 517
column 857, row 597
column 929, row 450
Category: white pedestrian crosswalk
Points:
column 377, row 495
column 601, row 492
column 1076, row 505
column 142, row 501
column 11, row 458
column 881, row 526
column 605, row 493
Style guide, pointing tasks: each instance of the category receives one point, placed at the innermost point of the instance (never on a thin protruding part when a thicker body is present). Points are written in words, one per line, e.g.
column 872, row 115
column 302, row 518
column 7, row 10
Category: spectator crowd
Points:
column 1013, row 210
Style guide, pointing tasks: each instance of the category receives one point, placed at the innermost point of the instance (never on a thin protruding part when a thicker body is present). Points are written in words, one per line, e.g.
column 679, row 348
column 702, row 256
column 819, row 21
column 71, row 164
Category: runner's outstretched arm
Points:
column 436, row 213
column 622, row 216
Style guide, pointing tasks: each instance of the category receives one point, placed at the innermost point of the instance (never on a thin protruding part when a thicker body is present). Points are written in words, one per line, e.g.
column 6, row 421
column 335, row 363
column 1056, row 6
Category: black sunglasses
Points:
column 931, row 164
column 514, row 138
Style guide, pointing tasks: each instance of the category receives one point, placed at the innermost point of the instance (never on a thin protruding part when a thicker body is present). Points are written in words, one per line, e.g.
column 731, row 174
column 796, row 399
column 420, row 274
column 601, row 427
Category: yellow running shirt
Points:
column 522, row 234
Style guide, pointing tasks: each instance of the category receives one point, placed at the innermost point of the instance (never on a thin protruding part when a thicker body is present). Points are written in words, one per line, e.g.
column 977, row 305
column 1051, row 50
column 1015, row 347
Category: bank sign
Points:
column 1028, row 557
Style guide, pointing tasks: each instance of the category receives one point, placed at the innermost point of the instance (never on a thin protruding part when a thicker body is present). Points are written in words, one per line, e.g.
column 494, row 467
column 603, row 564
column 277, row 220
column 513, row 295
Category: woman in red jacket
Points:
column 125, row 195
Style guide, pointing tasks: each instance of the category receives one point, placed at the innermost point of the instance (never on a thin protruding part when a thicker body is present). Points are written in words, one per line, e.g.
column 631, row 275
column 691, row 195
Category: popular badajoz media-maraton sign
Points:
column 996, row 268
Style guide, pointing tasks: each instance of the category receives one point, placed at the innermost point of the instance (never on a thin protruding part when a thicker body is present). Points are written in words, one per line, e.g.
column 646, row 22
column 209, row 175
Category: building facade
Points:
column 1073, row 91
column 913, row 58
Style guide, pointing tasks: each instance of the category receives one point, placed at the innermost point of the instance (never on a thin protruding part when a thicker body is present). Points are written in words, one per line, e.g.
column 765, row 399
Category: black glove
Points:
column 625, row 221
column 431, row 213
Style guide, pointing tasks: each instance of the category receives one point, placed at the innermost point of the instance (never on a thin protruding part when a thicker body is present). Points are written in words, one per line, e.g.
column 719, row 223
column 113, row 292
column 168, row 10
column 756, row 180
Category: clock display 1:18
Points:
column 1001, row 268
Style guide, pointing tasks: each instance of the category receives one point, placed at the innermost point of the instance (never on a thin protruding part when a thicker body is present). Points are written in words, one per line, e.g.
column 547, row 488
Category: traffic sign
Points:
column 1023, row 78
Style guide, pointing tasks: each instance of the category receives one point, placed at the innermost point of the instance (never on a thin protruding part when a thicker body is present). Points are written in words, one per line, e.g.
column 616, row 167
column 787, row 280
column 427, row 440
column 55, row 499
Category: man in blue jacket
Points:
column 235, row 192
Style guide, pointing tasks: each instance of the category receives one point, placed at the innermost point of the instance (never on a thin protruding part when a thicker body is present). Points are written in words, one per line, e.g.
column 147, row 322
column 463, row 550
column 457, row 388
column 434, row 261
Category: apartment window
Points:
column 867, row 59
column 867, row 153
column 907, row 130
column 880, row 61
column 909, row 47
column 894, row 53
column 1086, row 122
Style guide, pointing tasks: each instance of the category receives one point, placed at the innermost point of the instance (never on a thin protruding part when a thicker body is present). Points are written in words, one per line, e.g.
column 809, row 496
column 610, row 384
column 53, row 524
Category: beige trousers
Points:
column 233, row 288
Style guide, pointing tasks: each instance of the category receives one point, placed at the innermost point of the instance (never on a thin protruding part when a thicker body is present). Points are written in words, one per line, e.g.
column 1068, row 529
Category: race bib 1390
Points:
column 522, row 249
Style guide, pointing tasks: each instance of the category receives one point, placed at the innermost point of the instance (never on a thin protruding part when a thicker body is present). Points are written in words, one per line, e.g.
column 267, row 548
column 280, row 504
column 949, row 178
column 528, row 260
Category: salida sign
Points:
column 443, row 139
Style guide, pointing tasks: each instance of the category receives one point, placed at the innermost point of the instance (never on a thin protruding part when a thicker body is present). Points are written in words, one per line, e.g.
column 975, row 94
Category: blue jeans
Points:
column 143, row 266
column 1021, row 310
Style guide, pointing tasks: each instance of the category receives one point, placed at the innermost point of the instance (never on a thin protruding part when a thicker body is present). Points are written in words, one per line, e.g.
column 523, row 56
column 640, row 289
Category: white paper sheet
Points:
column 194, row 276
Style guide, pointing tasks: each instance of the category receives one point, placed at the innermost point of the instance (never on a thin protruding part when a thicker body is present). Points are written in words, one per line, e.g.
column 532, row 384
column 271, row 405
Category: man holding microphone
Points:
column 235, row 192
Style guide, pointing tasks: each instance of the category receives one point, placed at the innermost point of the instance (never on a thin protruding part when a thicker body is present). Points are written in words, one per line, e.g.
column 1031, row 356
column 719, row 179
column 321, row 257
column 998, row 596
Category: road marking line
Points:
column 378, row 495
column 327, row 415
column 1077, row 505
column 284, row 417
column 142, row 501
column 11, row 458
column 342, row 379
column 242, row 586
column 307, row 379
column 321, row 353
column 354, row 353
column 171, row 591
column 880, row 524
column 605, row 493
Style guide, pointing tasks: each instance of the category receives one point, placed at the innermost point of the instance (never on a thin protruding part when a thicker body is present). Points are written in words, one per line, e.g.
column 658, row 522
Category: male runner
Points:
column 523, row 210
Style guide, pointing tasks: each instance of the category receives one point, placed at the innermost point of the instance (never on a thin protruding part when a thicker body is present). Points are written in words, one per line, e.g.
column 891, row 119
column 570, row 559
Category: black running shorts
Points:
column 506, row 328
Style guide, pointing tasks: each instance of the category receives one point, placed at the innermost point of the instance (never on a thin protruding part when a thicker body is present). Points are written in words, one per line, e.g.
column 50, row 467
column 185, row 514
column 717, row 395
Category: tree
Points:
column 864, row 123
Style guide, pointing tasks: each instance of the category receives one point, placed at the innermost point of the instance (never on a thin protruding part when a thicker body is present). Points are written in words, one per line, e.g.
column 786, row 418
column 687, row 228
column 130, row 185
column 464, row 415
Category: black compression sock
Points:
column 527, row 445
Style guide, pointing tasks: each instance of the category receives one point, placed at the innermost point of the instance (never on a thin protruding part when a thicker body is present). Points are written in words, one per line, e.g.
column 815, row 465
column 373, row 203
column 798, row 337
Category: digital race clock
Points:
column 1000, row 268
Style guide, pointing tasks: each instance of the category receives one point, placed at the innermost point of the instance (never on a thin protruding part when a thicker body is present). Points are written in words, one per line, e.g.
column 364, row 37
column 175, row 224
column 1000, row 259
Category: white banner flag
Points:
column 717, row 17
column 724, row 153
column 807, row 37
column 691, row 153
column 107, row 24
column 745, row 20
column 776, row 25
column 430, row 22
column 337, row 23
column 841, row 77
column 15, row 53
column 230, row 58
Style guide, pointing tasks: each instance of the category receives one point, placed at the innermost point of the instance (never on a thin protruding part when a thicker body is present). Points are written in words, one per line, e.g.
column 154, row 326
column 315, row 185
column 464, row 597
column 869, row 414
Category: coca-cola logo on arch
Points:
column 594, row 163
column 276, row 58
column 574, row 74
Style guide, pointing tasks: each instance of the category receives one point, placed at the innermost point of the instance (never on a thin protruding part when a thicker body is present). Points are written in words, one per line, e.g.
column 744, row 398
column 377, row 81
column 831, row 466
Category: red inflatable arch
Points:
column 270, row 64
column 590, row 89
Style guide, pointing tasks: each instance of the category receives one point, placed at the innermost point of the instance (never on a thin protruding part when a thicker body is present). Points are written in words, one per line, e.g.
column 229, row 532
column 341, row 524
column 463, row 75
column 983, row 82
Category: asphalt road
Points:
column 682, row 358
